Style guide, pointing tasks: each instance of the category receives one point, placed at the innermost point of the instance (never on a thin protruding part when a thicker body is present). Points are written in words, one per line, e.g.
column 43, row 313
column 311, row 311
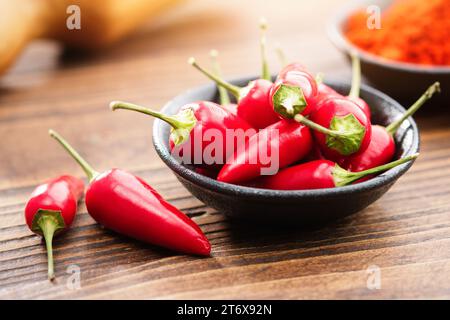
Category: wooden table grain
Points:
column 405, row 236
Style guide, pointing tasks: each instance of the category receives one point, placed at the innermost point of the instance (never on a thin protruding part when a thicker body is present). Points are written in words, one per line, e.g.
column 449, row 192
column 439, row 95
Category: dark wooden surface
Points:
column 406, row 233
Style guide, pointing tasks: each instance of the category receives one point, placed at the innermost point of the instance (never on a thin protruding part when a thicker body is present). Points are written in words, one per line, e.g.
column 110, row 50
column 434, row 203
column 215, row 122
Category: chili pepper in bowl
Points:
column 321, row 174
column 193, row 122
column 125, row 203
column 287, row 140
column 252, row 100
column 382, row 145
column 293, row 92
column 340, row 128
column 51, row 210
column 323, row 91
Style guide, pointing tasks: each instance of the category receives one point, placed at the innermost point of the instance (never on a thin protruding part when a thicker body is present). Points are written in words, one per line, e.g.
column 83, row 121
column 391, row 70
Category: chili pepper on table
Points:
column 340, row 128
column 51, row 210
column 382, row 146
column 293, row 92
column 287, row 140
column 252, row 100
column 321, row 174
column 193, row 122
column 125, row 203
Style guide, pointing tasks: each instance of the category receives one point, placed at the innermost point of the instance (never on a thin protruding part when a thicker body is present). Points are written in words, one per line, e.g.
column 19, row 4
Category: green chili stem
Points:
column 356, row 76
column 319, row 78
column 281, row 56
column 393, row 127
column 265, row 74
column 386, row 166
column 224, row 99
column 312, row 125
column 234, row 90
column 48, row 227
column 172, row 121
column 90, row 172
column 343, row 177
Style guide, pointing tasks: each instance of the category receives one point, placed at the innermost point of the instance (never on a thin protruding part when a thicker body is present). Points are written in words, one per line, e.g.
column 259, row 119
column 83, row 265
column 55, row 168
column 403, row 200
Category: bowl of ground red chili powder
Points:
column 404, row 45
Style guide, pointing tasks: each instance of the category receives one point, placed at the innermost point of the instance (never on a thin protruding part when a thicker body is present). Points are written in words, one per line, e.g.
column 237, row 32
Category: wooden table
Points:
column 406, row 234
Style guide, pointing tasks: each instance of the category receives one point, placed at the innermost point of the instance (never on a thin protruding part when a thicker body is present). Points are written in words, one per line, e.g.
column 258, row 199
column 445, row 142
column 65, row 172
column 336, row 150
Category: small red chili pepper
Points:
column 356, row 86
column 323, row 91
column 294, row 92
column 321, row 174
column 192, row 122
column 126, row 204
column 340, row 127
column 252, row 100
column 382, row 146
column 288, row 140
column 51, row 210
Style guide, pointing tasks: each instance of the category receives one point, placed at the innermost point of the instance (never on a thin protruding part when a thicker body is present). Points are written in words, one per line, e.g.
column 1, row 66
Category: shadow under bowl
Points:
column 299, row 208
column 403, row 81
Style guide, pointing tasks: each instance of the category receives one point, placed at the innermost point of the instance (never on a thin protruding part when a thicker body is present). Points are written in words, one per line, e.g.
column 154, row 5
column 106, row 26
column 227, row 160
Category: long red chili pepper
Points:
column 288, row 140
column 320, row 174
column 126, row 204
column 382, row 146
column 293, row 92
column 340, row 127
column 51, row 210
column 193, row 122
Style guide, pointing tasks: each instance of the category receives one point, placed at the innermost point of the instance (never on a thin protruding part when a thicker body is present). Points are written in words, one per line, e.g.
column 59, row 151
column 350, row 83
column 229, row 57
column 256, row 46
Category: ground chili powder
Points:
column 414, row 31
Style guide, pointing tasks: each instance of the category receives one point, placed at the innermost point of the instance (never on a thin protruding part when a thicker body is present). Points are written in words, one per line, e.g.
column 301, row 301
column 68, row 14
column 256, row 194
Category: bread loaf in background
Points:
column 102, row 22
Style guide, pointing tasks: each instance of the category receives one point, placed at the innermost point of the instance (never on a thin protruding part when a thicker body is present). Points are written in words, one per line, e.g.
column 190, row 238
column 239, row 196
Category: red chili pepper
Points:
column 294, row 92
column 382, row 146
column 253, row 103
column 253, row 99
column 193, row 122
column 356, row 86
column 51, row 210
column 126, row 204
column 321, row 174
column 286, row 139
column 323, row 91
column 340, row 127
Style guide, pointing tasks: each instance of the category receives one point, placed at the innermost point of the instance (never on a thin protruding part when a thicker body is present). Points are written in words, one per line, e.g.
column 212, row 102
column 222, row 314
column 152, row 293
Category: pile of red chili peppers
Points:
column 322, row 139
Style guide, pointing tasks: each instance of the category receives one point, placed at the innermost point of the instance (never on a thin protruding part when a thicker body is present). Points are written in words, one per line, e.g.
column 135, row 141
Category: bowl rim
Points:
column 335, row 33
column 162, row 149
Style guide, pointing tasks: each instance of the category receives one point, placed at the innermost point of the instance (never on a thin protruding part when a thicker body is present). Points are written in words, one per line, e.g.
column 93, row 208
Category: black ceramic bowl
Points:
column 403, row 81
column 288, row 207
